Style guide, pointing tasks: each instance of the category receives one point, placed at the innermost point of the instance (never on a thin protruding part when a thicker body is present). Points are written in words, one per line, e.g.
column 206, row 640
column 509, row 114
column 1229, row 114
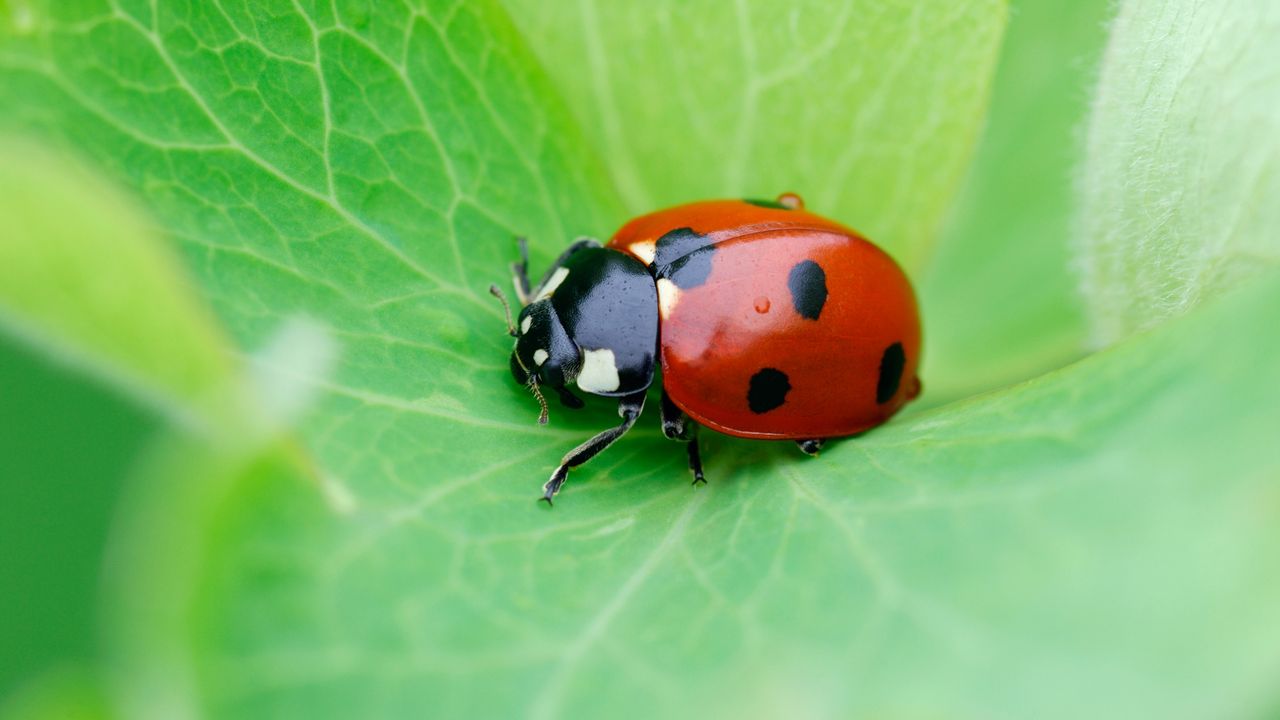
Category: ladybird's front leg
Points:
column 552, row 278
column 520, row 272
column 568, row 399
column 629, row 408
column 676, row 425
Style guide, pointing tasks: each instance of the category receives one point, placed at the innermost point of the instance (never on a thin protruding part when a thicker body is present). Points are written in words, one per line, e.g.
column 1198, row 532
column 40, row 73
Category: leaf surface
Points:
column 84, row 278
column 1080, row 536
column 1088, row 537
column 1182, row 163
column 1002, row 294
column 869, row 109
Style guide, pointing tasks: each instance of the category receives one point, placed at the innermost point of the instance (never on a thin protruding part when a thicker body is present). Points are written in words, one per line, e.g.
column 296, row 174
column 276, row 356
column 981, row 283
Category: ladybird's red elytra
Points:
column 768, row 321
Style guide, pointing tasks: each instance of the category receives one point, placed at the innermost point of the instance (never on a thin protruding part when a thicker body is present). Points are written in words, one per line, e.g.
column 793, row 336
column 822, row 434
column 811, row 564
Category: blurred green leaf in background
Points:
column 262, row 456
column 1001, row 289
column 1182, row 168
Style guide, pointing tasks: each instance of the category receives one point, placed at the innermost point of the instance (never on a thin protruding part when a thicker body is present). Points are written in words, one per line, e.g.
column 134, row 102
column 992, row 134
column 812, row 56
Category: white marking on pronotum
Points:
column 553, row 282
column 646, row 250
column 540, row 356
column 668, row 296
column 525, row 323
column 599, row 371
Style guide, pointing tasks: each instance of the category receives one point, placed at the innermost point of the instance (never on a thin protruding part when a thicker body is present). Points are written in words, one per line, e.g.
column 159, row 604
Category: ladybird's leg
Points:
column 580, row 243
column 812, row 446
column 520, row 272
column 695, row 457
column 629, row 408
column 568, row 399
column 676, row 425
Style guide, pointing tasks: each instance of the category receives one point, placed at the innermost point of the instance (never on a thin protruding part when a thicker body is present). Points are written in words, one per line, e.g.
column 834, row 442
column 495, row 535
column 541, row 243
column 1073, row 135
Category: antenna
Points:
column 506, row 307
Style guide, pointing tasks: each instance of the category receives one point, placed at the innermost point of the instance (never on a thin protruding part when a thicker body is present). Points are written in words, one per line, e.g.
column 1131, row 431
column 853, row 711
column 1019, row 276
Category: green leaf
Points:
column 1183, row 160
column 67, row 444
column 1055, row 535
column 869, row 109
column 1005, row 256
column 355, row 168
column 1064, row 547
column 86, row 282
column 85, row 279
column 60, row 695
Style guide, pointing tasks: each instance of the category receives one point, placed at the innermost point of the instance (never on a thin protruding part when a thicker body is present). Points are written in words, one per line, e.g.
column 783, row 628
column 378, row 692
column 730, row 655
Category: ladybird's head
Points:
column 544, row 355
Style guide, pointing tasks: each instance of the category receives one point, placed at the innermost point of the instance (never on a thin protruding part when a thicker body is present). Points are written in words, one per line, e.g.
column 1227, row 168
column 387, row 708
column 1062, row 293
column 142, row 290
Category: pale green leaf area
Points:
column 140, row 326
column 1000, row 295
column 1182, row 168
column 868, row 109
column 1084, row 543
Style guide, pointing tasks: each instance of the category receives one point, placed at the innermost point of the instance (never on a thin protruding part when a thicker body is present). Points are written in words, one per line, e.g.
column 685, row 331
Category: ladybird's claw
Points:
column 695, row 462
column 553, row 485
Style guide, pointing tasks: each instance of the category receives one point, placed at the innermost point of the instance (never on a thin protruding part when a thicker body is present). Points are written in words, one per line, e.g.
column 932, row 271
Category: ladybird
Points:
column 768, row 321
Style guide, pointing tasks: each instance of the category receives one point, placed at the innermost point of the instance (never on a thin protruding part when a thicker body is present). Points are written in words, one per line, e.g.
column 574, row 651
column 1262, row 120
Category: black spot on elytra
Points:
column 767, row 204
column 676, row 244
column 769, row 388
column 891, row 364
column 808, row 285
column 691, row 270
column 683, row 257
